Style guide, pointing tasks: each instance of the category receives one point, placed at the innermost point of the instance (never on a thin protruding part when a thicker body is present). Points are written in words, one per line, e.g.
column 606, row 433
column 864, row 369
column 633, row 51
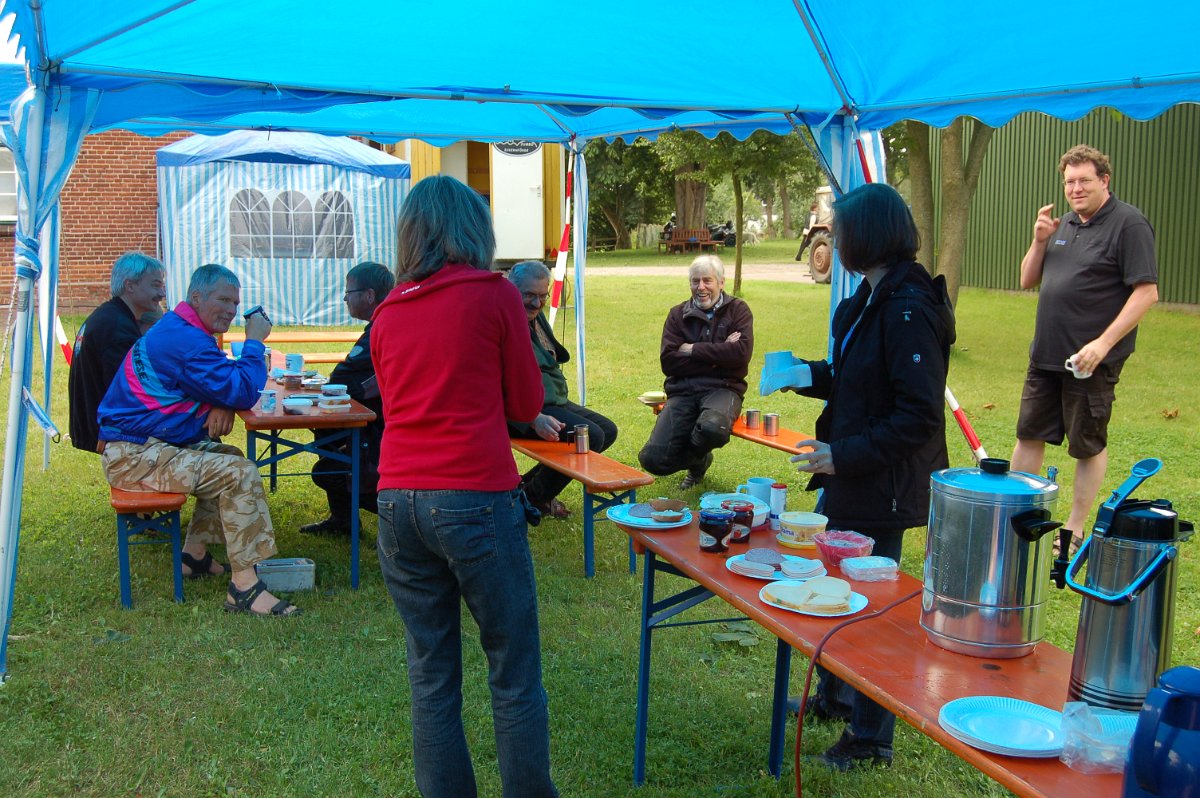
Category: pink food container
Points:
column 836, row 545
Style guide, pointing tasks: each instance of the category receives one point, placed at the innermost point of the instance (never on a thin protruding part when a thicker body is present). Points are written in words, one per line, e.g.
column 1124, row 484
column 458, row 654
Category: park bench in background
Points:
column 598, row 474
column 685, row 240
column 277, row 339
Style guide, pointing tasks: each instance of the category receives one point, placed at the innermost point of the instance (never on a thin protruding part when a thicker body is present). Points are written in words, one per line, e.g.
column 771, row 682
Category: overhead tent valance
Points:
column 543, row 70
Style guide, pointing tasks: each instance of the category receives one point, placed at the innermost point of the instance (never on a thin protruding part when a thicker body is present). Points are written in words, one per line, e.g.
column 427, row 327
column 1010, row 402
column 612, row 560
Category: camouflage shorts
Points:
column 231, row 506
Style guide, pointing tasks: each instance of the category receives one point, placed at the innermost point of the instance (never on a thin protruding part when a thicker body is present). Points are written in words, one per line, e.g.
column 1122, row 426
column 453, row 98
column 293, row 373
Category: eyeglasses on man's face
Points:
column 529, row 297
column 346, row 296
column 1082, row 182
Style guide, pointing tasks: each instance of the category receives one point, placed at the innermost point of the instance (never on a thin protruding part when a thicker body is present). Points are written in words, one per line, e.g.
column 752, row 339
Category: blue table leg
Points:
column 594, row 507
column 783, row 666
column 655, row 615
column 643, row 688
column 354, row 522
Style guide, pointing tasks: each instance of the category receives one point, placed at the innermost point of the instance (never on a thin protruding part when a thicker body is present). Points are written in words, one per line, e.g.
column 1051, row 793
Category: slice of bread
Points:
column 830, row 586
column 824, row 595
column 789, row 595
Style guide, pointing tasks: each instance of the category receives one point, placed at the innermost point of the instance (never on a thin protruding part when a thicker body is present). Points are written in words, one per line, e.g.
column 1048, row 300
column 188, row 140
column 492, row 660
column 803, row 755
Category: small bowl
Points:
column 334, row 407
column 314, row 383
column 836, row 545
column 667, row 516
column 798, row 528
column 333, row 389
column 663, row 503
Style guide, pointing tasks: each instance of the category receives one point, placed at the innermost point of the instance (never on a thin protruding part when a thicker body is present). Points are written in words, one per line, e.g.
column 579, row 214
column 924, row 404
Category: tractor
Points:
column 818, row 237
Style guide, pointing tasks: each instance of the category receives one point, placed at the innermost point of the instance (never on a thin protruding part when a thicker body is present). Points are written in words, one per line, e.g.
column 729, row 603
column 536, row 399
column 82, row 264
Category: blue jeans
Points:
column 436, row 548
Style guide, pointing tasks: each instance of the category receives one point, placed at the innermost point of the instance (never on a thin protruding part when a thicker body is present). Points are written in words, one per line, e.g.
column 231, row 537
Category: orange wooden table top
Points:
column 890, row 659
column 312, row 418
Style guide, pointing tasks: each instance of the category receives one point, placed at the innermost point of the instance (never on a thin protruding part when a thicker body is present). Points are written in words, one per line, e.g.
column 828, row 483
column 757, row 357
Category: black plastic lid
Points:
column 1145, row 520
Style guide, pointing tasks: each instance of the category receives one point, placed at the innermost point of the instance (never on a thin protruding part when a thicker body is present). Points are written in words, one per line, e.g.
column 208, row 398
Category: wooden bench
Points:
column 784, row 441
column 304, row 337
column 598, row 474
column 687, row 240
column 140, row 512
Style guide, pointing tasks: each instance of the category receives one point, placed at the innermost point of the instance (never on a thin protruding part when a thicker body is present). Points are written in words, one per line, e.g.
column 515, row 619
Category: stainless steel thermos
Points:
column 1123, row 641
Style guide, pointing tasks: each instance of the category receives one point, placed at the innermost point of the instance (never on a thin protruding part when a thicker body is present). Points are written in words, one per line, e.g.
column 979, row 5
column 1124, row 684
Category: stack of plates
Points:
column 1003, row 725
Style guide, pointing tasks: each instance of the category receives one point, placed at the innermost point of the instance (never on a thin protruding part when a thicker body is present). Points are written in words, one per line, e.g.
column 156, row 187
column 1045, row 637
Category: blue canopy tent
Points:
column 838, row 68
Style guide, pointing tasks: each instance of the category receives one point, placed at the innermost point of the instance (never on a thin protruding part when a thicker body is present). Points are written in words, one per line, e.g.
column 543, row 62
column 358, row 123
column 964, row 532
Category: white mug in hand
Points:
column 1079, row 374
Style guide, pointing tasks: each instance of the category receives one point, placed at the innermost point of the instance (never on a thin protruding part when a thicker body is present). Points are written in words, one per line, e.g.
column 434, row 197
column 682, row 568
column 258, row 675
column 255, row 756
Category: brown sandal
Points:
column 243, row 600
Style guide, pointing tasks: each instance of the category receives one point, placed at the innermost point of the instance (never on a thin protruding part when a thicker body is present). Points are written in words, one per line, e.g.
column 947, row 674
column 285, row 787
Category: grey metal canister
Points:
column 987, row 560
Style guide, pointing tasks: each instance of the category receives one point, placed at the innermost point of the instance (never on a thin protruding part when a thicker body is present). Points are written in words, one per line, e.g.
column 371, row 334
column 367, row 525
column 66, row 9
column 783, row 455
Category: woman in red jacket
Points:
column 452, row 358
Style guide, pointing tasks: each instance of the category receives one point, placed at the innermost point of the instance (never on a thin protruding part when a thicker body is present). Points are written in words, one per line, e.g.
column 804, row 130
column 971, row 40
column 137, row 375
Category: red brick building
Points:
column 109, row 206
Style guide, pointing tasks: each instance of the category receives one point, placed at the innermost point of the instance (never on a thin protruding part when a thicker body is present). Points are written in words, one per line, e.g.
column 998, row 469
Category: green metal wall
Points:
column 1155, row 165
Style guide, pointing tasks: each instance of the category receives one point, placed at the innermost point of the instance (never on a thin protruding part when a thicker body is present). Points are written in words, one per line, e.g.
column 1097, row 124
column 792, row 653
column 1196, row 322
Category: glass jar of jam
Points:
column 743, row 519
column 716, row 528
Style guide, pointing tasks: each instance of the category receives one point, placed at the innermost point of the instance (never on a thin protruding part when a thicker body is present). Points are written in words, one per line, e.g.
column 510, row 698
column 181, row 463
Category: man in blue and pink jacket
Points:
column 173, row 396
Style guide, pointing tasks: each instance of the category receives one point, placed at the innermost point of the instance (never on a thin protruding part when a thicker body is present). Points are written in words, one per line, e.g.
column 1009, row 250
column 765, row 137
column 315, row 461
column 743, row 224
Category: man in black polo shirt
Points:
column 1098, row 277
column 138, row 284
column 367, row 285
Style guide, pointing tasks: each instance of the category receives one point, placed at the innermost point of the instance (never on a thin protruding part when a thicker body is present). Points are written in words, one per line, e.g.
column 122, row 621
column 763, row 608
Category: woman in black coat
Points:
column 882, row 431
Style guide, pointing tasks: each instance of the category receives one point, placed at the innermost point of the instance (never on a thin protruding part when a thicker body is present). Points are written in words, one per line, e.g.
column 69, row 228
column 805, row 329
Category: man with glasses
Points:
column 367, row 285
column 559, row 415
column 1098, row 277
column 707, row 343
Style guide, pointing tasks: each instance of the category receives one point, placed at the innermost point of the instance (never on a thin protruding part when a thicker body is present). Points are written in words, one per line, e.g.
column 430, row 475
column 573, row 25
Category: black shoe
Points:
column 696, row 472
column 849, row 752
column 817, row 708
column 330, row 526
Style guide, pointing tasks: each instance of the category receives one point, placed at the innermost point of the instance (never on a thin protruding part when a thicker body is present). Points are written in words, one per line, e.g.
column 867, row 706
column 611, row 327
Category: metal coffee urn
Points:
column 1123, row 642
column 987, row 559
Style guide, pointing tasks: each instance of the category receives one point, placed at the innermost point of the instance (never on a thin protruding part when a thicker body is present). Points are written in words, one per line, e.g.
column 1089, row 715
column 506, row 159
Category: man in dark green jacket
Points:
column 559, row 415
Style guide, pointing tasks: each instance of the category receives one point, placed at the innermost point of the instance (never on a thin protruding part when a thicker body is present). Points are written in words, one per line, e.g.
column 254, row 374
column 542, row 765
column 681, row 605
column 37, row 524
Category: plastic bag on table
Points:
column 1096, row 740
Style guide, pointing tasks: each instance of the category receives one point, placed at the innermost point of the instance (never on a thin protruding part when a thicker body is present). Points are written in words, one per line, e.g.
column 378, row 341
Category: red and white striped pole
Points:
column 560, row 262
column 965, row 425
column 61, row 336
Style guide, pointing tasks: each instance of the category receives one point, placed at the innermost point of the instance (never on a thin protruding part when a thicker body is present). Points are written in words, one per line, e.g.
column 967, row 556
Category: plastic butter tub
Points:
column 285, row 574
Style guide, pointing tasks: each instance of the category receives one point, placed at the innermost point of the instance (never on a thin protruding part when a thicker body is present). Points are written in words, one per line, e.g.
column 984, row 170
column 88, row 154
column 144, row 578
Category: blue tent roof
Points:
column 875, row 60
column 282, row 147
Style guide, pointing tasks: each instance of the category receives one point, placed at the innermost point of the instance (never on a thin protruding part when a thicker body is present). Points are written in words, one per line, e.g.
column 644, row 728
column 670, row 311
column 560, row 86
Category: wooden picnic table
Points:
column 331, row 430
column 889, row 658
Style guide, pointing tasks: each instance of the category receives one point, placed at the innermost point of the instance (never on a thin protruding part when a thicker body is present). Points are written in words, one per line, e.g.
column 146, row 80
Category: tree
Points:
column 762, row 154
column 627, row 185
column 960, row 162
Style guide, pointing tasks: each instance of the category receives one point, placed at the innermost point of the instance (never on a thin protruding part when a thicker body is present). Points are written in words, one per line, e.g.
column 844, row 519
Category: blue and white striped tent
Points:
column 289, row 213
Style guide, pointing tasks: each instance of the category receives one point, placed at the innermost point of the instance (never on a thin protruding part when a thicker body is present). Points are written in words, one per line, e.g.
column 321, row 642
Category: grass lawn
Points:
column 184, row 700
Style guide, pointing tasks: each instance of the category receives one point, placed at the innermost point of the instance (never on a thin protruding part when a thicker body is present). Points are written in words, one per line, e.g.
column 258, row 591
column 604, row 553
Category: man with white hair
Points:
column 138, row 284
column 707, row 343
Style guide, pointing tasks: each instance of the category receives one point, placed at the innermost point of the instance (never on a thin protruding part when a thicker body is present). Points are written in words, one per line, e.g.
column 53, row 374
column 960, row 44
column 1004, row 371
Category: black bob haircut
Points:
column 873, row 227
